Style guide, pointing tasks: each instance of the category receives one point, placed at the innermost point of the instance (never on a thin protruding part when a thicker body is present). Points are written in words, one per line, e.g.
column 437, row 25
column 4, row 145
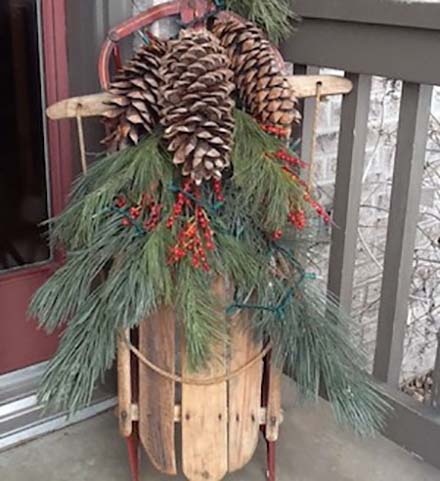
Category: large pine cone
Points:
column 197, row 110
column 263, row 87
column 135, row 101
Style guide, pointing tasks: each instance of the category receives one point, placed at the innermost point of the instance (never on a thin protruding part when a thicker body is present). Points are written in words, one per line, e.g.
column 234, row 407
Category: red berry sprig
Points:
column 276, row 131
column 181, row 202
column 277, row 235
column 290, row 159
column 307, row 196
column 155, row 215
column 319, row 209
column 217, row 187
column 194, row 241
column 196, row 236
column 131, row 215
column 298, row 218
column 295, row 177
column 120, row 201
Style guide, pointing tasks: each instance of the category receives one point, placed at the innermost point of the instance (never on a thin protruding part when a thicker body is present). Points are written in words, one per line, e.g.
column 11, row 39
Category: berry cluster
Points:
column 154, row 218
column 194, row 241
column 182, row 201
column 297, row 218
column 295, row 177
column 307, row 196
column 290, row 159
column 276, row 131
column 217, row 187
column 147, row 207
column 196, row 236
column 317, row 207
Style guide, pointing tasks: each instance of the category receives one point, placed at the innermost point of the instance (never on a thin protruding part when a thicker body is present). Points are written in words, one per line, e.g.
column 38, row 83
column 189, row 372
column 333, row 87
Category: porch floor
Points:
column 311, row 448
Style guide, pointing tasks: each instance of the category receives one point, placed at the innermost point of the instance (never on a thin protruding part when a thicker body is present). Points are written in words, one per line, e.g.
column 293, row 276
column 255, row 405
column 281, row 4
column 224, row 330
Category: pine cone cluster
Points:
column 197, row 109
column 187, row 83
column 135, row 97
column 263, row 88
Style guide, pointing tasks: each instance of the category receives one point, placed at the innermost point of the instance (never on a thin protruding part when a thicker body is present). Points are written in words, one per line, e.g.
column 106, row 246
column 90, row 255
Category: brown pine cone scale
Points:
column 197, row 111
column 262, row 86
column 135, row 97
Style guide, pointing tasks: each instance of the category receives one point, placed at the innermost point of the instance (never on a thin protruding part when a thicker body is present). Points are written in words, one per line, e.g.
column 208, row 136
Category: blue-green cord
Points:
column 138, row 226
column 278, row 310
column 144, row 37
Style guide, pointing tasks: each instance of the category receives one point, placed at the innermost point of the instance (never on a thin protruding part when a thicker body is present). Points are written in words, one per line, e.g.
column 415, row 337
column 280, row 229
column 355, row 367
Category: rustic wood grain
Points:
column 305, row 85
column 86, row 106
column 274, row 416
column 244, row 395
column 204, row 418
column 156, row 393
column 95, row 104
column 124, row 385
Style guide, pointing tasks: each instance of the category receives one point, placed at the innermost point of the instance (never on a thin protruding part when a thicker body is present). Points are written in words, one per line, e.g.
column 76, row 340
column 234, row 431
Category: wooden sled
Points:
column 221, row 410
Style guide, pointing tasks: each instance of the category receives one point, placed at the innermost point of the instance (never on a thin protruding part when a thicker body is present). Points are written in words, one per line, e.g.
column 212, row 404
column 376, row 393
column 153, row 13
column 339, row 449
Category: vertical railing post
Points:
column 402, row 224
column 435, row 401
column 348, row 188
column 307, row 109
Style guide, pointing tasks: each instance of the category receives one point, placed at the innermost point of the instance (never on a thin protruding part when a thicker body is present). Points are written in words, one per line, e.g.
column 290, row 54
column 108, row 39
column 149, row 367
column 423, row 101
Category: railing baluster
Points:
column 348, row 188
column 435, row 401
column 307, row 112
column 402, row 225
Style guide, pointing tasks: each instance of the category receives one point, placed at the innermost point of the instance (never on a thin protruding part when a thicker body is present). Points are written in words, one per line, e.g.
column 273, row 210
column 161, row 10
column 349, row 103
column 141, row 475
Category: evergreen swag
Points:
column 137, row 236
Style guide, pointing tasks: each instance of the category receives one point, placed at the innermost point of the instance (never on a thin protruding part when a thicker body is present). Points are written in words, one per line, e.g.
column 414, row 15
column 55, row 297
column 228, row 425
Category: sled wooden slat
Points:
column 95, row 104
column 156, row 393
column 204, row 418
column 274, row 413
column 244, row 396
column 305, row 85
column 124, row 385
column 85, row 106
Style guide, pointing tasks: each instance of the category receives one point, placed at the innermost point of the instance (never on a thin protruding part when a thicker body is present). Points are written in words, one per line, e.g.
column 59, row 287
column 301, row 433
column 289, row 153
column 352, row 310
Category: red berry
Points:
column 125, row 222
column 277, row 234
column 135, row 212
column 120, row 201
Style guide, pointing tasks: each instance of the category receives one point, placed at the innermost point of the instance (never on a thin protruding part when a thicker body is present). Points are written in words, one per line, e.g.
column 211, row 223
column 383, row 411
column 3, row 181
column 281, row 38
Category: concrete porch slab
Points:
column 311, row 448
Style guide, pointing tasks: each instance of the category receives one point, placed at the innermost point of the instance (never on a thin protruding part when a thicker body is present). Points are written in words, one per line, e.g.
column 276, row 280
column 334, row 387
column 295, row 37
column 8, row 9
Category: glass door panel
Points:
column 32, row 41
column 23, row 167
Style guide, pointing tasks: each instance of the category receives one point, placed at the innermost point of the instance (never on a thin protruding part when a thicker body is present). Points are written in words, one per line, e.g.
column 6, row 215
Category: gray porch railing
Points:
column 398, row 40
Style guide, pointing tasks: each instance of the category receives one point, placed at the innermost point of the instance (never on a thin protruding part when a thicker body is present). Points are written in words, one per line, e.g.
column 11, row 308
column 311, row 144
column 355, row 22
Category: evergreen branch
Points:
column 273, row 16
column 202, row 315
column 86, row 351
column 263, row 188
column 134, row 170
column 312, row 341
column 128, row 295
column 307, row 329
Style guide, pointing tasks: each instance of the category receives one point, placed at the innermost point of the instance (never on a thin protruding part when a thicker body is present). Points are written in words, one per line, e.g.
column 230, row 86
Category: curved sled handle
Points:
column 188, row 10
